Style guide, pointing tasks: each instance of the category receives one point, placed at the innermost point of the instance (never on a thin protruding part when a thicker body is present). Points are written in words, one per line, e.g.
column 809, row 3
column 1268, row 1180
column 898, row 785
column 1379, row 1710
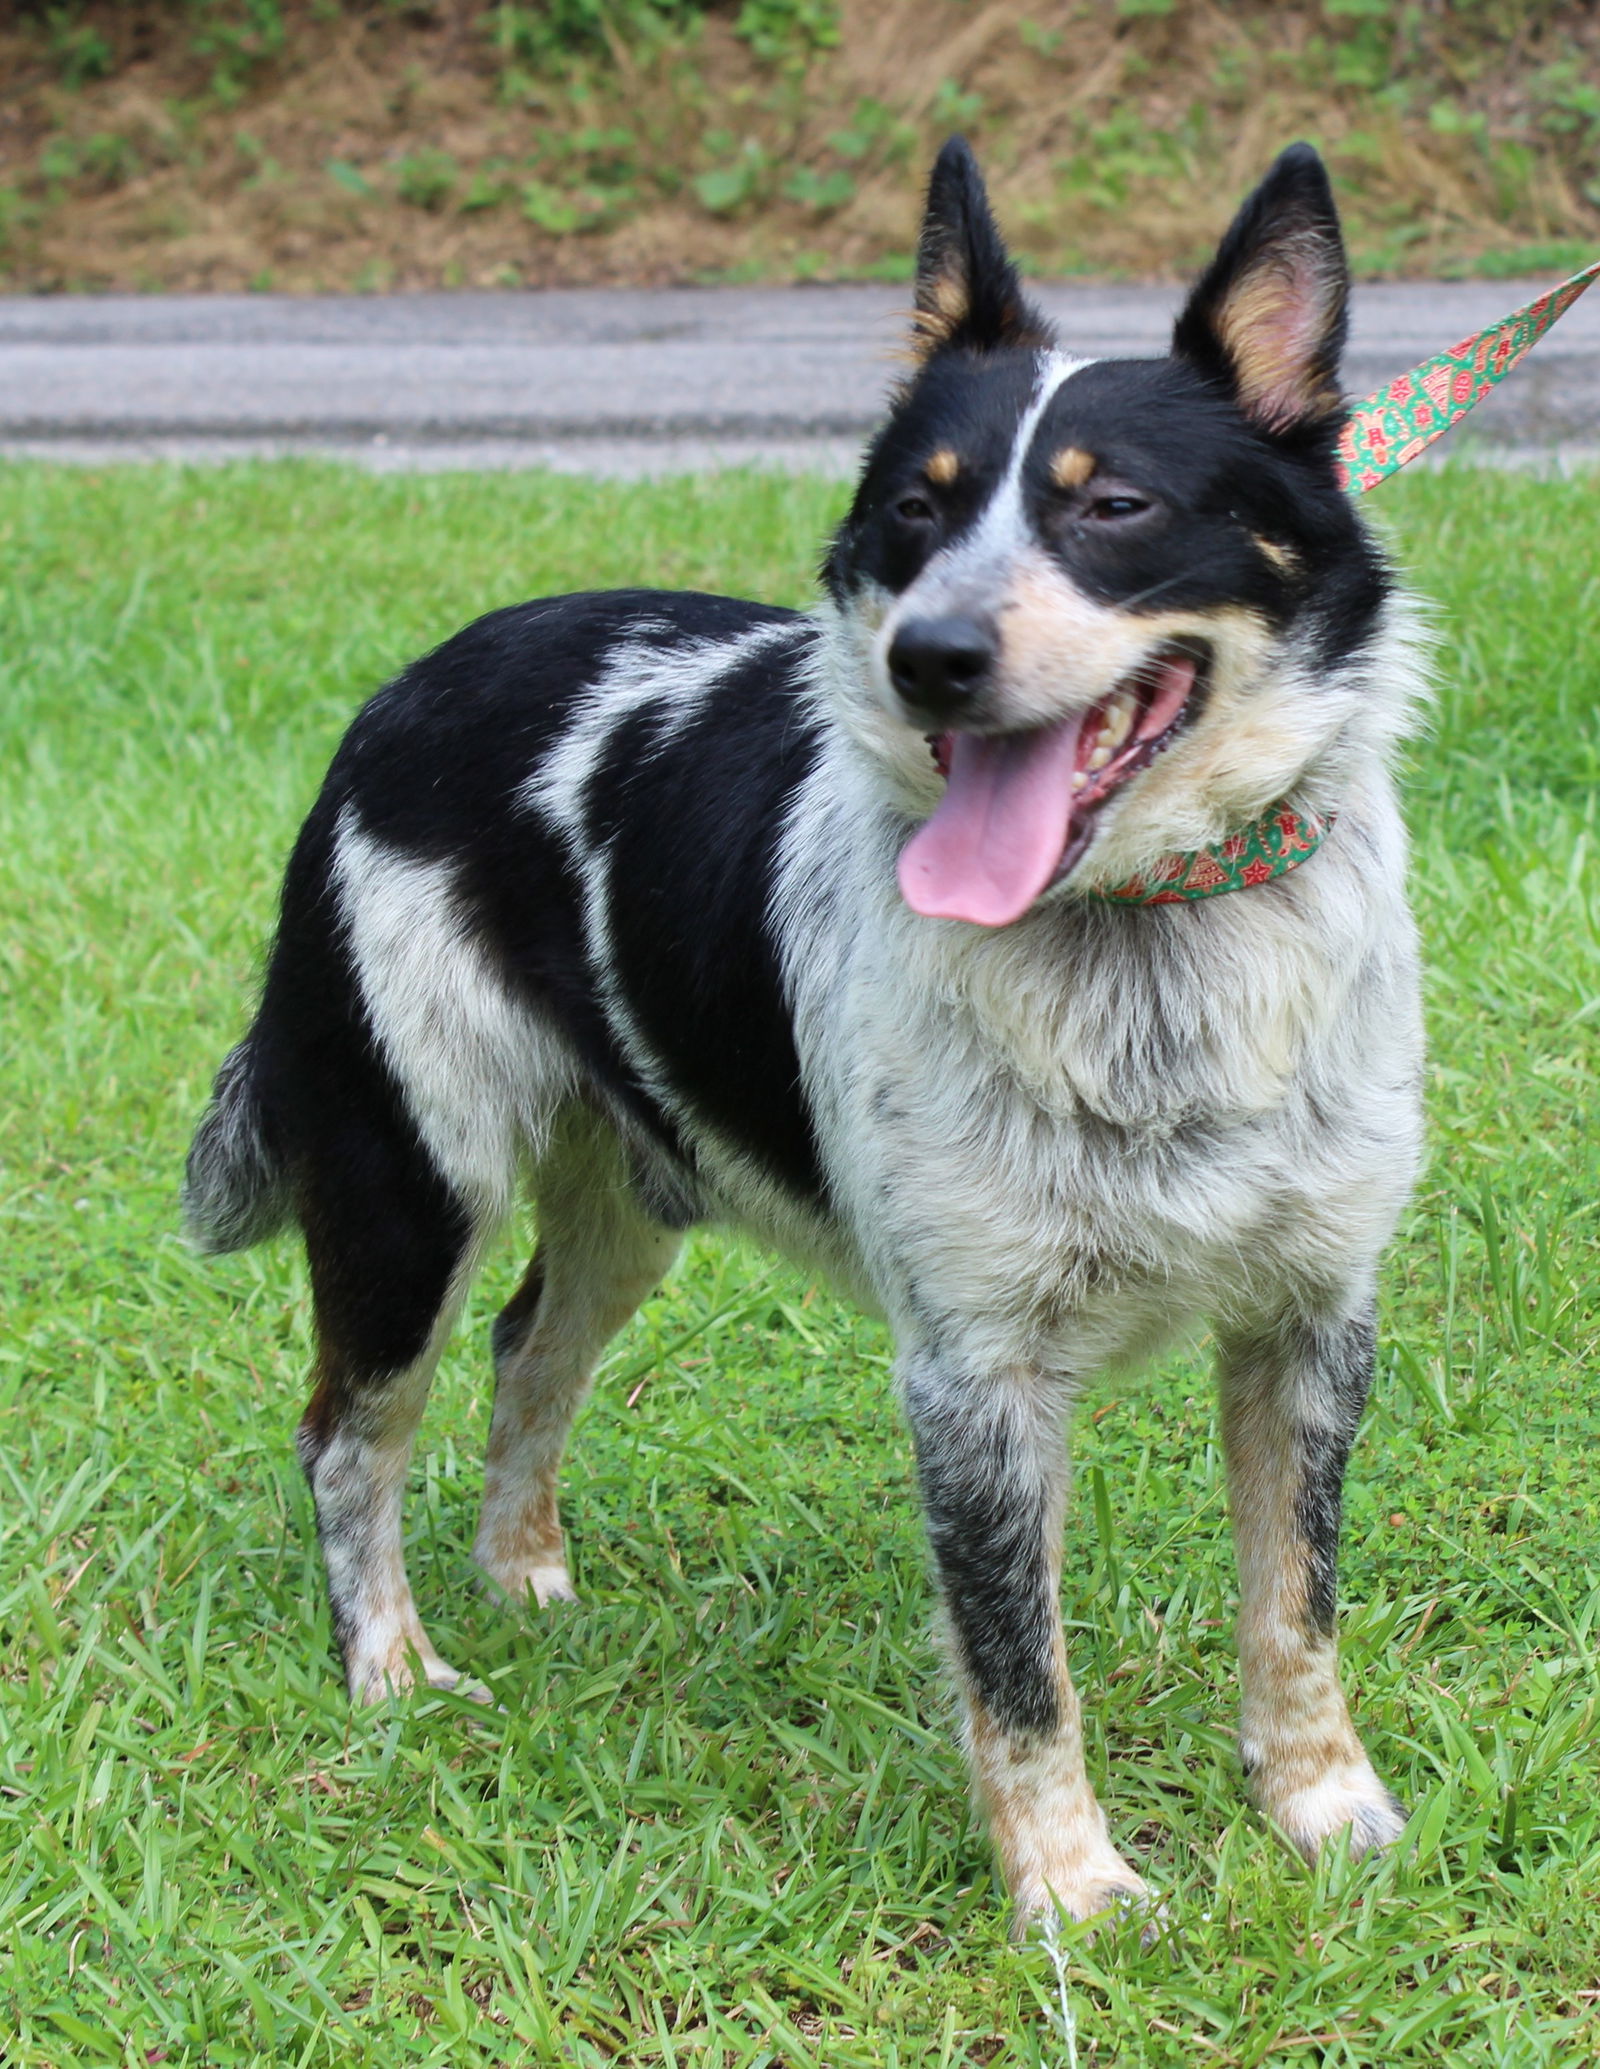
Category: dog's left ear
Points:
column 1269, row 313
column 968, row 296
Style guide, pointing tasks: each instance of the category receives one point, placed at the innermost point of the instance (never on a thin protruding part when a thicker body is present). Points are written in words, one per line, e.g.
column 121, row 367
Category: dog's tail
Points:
column 236, row 1185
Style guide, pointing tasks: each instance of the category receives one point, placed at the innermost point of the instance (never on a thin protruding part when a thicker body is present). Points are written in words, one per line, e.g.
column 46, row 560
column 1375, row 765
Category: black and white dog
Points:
column 663, row 904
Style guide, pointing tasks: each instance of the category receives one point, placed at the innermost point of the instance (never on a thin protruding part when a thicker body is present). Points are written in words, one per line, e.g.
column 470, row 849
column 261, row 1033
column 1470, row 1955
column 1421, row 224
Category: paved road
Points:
column 621, row 380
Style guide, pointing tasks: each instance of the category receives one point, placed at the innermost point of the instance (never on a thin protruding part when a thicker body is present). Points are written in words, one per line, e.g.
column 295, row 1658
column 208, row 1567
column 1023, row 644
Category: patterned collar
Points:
column 1280, row 840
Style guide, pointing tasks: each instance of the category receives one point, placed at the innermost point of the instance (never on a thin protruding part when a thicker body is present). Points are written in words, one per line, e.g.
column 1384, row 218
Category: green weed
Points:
column 79, row 51
column 238, row 39
column 426, row 179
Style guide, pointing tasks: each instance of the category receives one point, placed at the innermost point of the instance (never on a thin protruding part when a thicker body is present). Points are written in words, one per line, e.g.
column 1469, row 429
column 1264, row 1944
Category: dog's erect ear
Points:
column 1268, row 314
column 968, row 295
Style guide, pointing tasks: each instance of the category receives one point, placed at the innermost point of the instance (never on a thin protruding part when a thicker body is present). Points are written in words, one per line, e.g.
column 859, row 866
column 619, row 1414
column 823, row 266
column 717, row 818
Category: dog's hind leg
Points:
column 599, row 1255
column 991, row 1458
column 1292, row 1397
column 391, row 1248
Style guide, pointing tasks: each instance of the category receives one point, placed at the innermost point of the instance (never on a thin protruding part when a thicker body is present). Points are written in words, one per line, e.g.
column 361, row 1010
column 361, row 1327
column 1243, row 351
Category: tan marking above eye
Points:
column 943, row 467
column 1280, row 556
column 1072, row 467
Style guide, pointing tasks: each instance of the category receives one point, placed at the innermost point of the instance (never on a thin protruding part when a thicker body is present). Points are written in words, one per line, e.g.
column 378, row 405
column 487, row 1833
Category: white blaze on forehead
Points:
column 971, row 570
column 1055, row 369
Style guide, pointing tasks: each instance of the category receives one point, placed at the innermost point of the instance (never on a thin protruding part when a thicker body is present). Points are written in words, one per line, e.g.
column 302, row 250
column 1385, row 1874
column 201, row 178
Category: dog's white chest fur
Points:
column 1060, row 1142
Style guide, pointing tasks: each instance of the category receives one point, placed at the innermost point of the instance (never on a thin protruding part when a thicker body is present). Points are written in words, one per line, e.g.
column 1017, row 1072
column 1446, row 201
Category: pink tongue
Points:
column 1000, row 828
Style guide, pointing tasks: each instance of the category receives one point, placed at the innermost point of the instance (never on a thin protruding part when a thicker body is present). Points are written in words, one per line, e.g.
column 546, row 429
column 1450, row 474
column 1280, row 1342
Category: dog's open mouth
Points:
column 1019, row 809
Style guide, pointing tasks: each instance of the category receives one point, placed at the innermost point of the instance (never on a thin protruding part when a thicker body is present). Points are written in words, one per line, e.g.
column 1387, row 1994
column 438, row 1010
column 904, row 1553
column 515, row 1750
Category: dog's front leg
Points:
column 991, row 1458
column 1292, row 1396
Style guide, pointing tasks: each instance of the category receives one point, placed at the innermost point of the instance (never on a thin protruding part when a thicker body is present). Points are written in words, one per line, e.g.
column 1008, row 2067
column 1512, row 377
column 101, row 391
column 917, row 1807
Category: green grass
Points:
column 721, row 1818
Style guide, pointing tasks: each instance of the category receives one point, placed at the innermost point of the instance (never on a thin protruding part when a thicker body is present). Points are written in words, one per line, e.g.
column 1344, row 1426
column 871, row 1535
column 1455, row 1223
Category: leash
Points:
column 1381, row 435
column 1389, row 429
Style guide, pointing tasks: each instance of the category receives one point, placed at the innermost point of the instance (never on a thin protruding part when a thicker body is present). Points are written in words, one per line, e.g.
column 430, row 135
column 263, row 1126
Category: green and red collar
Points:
column 1280, row 840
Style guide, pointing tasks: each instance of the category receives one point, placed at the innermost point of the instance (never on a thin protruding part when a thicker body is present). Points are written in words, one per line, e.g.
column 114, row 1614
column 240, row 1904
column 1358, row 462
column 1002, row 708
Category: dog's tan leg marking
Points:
column 598, row 1258
column 991, row 1458
column 1291, row 1401
column 356, row 1441
column 1046, row 1824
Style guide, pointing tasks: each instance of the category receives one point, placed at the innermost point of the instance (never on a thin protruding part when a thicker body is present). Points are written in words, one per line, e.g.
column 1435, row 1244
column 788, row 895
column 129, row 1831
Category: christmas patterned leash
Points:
column 1382, row 434
column 1400, row 421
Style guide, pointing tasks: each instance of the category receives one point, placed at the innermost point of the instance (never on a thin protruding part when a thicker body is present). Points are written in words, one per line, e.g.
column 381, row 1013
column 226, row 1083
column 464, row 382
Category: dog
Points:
column 880, row 930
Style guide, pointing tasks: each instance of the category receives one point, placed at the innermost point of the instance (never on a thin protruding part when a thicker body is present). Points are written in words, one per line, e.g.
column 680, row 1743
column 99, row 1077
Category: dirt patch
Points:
column 395, row 146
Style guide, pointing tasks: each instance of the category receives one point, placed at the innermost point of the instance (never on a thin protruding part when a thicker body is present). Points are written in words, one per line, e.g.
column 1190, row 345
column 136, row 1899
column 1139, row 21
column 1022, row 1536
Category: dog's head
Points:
column 1099, row 610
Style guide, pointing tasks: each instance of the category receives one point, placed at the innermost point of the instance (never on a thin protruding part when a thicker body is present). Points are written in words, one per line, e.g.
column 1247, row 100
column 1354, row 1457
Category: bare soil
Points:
column 392, row 146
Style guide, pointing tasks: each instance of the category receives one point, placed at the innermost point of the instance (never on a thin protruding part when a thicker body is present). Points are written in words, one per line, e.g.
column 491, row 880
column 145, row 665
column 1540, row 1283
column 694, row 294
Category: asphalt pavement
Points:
column 631, row 381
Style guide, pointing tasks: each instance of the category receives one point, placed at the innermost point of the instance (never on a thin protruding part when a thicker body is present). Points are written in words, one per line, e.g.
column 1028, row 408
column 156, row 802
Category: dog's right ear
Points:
column 968, row 296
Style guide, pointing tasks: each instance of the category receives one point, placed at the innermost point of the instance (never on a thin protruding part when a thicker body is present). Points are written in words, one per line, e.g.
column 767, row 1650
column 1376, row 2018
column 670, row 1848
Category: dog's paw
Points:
column 530, row 1586
column 381, row 1681
column 1101, row 1887
column 1346, row 1800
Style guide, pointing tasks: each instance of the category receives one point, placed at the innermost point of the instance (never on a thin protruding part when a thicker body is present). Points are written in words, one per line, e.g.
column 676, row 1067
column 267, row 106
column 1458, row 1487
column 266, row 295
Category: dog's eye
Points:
column 914, row 510
column 1112, row 509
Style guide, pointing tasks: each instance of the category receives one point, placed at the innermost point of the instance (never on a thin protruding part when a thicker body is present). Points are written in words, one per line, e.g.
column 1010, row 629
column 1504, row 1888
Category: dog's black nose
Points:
column 940, row 665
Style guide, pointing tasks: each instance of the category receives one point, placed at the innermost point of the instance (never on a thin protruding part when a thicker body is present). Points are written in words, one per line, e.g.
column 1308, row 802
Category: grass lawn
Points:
column 721, row 1818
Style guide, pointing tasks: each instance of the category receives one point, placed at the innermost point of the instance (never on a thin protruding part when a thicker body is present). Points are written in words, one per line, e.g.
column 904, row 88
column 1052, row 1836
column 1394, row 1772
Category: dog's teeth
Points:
column 1118, row 722
column 1101, row 755
column 1080, row 778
